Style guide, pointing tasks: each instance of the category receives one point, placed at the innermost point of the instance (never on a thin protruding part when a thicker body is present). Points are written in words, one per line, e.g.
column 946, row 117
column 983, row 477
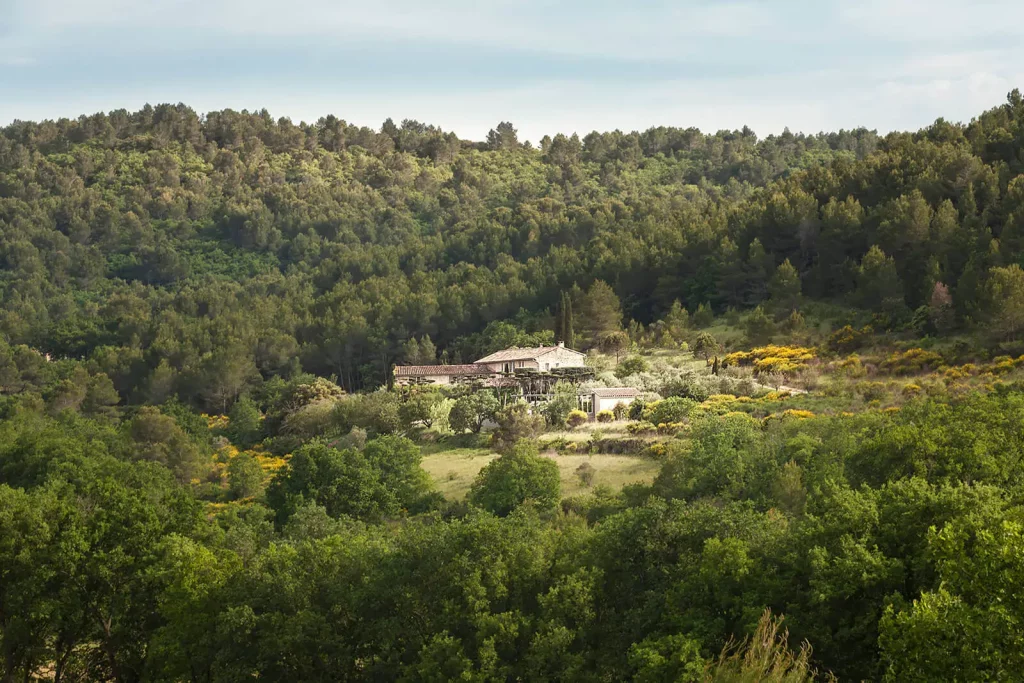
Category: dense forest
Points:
column 158, row 243
column 206, row 476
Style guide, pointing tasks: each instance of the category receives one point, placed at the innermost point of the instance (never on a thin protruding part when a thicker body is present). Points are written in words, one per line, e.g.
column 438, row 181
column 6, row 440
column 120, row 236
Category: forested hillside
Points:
column 159, row 242
column 205, row 474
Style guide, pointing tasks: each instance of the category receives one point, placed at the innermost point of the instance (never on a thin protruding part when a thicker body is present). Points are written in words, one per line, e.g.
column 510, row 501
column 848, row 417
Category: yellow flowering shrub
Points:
column 775, row 396
column 911, row 390
column 772, row 358
column 1003, row 367
column 215, row 422
column 847, row 338
column 738, row 358
column 270, row 463
column 871, row 391
column 656, row 450
column 956, row 373
column 911, row 361
column 773, row 364
column 719, row 404
column 850, row 366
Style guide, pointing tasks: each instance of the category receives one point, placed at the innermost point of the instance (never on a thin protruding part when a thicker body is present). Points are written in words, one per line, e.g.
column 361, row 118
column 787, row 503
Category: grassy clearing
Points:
column 584, row 432
column 614, row 471
column 453, row 471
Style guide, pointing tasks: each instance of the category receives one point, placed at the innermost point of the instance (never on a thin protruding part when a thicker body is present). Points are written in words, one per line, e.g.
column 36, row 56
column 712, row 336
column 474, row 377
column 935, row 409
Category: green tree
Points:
column 784, row 289
column 418, row 409
column 515, row 423
column 879, row 287
column 1006, row 292
column 245, row 423
column 631, row 366
column 563, row 402
column 759, row 326
column 503, row 137
column 601, row 313
column 676, row 323
column 615, row 342
column 516, row 477
column 705, row 345
column 343, row 482
column 703, row 316
column 158, row 438
column 968, row 628
column 245, row 476
column 470, row 412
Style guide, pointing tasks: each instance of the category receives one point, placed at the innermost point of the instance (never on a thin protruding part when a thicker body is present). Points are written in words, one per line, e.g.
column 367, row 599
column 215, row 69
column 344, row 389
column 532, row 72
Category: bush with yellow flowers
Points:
column 912, row 361
column 848, row 339
column 771, row 358
column 656, row 450
column 641, row 427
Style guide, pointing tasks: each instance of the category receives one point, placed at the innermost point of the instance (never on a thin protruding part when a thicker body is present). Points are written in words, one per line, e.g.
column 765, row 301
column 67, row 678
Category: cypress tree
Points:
column 570, row 334
column 559, row 319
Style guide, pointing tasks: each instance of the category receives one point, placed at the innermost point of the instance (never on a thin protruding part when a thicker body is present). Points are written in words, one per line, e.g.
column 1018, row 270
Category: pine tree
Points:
column 602, row 312
column 411, row 351
column 428, row 352
column 784, row 289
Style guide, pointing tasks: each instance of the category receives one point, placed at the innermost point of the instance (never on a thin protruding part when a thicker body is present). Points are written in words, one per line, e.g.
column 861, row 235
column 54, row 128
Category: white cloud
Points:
column 629, row 32
column 933, row 20
column 817, row 101
column 880, row 64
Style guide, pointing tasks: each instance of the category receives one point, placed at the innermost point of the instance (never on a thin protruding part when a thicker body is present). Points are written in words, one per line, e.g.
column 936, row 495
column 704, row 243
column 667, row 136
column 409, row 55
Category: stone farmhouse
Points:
column 530, row 373
column 494, row 366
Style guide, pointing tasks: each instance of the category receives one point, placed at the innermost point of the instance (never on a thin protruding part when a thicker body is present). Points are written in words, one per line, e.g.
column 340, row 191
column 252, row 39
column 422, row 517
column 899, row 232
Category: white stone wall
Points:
column 609, row 403
column 513, row 365
column 561, row 358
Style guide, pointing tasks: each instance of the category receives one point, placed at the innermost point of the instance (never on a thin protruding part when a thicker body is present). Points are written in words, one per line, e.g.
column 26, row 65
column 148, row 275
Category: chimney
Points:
column 561, row 344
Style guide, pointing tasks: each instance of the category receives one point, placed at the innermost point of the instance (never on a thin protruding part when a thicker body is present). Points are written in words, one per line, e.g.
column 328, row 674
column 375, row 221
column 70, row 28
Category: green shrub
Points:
column 605, row 416
column 576, row 418
column 669, row 410
column 642, row 427
column 557, row 410
column 586, row 473
column 631, row 366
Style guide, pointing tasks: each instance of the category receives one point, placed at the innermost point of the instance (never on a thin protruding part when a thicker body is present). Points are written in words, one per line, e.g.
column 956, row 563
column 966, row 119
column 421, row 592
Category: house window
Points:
column 508, row 367
column 546, row 366
column 587, row 404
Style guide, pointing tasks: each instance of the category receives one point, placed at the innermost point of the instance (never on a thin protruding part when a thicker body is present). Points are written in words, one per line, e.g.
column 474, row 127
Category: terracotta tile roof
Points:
column 428, row 370
column 522, row 354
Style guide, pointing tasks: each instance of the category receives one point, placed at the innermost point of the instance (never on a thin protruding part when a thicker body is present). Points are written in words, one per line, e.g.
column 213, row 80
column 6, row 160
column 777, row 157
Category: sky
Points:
column 547, row 66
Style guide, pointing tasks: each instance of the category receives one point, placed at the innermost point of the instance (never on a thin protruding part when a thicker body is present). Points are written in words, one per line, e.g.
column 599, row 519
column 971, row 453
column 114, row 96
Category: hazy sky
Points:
column 547, row 66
